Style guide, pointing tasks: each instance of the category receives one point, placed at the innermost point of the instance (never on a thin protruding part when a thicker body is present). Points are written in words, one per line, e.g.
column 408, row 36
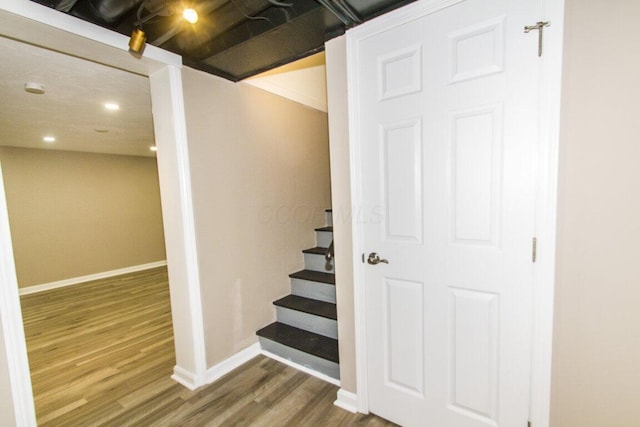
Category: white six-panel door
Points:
column 446, row 106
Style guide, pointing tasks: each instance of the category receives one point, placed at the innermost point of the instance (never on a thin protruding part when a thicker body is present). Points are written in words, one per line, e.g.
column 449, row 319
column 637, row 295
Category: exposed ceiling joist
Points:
column 234, row 39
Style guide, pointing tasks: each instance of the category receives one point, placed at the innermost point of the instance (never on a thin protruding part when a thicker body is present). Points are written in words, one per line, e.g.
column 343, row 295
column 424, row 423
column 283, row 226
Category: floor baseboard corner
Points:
column 231, row 363
column 347, row 401
column 184, row 377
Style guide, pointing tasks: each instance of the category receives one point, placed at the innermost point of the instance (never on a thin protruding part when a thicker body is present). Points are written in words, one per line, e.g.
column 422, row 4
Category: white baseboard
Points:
column 302, row 368
column 214, row 373
column 188, row 379
column 90, row 277
column 347, row 401
column 231, row 363
column 184, row 377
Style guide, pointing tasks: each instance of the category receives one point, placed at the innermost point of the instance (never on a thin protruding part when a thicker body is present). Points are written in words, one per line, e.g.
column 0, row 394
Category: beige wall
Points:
column 74, row 214
column 260, row 184
column 336, row 57
column 596, row 380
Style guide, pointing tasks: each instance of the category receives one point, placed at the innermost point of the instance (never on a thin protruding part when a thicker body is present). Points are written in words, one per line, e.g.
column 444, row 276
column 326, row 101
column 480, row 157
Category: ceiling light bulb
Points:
column 153, row 148
column 112, row 106
column 190, row 15
column 49, row 139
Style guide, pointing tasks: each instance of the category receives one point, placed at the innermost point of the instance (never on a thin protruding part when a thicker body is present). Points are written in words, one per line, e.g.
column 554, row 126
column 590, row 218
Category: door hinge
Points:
column 534, row 251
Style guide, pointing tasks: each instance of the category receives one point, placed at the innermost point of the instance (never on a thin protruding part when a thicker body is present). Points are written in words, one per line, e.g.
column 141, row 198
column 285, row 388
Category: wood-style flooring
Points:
column 101, row 353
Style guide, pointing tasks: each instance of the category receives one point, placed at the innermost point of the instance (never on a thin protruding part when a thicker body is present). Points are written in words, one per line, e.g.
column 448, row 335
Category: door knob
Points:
column 375, row 259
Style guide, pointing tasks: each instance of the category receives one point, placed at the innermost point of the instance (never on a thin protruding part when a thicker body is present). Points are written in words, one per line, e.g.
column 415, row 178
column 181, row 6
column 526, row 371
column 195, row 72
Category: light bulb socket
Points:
column 137, row 40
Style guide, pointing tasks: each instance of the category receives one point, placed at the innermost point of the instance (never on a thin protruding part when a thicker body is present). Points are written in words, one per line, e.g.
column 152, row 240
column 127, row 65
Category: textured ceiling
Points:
column 72, row 107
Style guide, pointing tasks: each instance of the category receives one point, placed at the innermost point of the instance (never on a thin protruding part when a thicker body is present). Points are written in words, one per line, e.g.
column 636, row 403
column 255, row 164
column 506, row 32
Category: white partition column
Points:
column 175, row 183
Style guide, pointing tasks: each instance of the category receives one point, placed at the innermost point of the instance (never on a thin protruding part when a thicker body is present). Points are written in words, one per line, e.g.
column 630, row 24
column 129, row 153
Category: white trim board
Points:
column 12, row 329
column 184, row 378
column 546, row 213
column 301, row 368
column 217, row 371
column 347, row 401
column 238, row 359
column 546, row 209
column 96, row 276
column 229, row 364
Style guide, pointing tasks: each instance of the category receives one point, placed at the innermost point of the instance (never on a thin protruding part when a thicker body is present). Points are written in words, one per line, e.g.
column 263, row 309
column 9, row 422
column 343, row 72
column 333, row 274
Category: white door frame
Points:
column 12, row 328
column 32, row 23
column 546, row 203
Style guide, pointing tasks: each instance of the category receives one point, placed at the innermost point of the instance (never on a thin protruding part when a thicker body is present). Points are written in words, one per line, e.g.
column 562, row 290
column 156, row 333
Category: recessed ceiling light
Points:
column 36, row 88
column 153, row 148
column 112, row 106
column 49, row 139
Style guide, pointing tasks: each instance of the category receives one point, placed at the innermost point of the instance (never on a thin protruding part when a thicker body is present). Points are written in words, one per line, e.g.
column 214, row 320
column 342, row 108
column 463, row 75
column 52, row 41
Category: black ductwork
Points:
column 64, row 5
column 104, row 12
column 342, row 11
column 234, row 39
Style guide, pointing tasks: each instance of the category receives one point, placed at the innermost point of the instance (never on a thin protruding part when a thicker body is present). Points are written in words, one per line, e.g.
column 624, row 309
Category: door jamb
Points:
column 12, row 327
column 546, row 197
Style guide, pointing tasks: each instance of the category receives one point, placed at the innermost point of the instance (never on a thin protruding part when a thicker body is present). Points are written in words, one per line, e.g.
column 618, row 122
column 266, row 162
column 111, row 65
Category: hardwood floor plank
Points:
column 62, row 410
column 102, row 354
column 154, row 406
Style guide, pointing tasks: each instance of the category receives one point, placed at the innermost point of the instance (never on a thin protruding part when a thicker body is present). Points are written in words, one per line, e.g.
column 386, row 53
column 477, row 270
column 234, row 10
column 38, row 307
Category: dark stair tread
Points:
column 316, row 251
column 308, row 342
column 325, row 229
column 308, row 305
column 328, row 210
column 314, row 276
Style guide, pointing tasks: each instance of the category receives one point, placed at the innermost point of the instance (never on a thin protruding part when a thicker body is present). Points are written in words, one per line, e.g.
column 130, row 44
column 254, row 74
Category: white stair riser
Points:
column 324, row 238
column 310, row 361
column 329, row 218
column 309, row 322
column 314, row 290
column 317, row 262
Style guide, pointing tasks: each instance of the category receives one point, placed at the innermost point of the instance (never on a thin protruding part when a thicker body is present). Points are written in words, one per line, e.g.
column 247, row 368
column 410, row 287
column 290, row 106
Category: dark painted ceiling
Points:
column 234, row 39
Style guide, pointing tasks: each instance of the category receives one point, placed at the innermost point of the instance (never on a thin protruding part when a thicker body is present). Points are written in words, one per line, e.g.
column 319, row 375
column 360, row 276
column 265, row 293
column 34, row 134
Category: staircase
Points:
column 306, row 330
